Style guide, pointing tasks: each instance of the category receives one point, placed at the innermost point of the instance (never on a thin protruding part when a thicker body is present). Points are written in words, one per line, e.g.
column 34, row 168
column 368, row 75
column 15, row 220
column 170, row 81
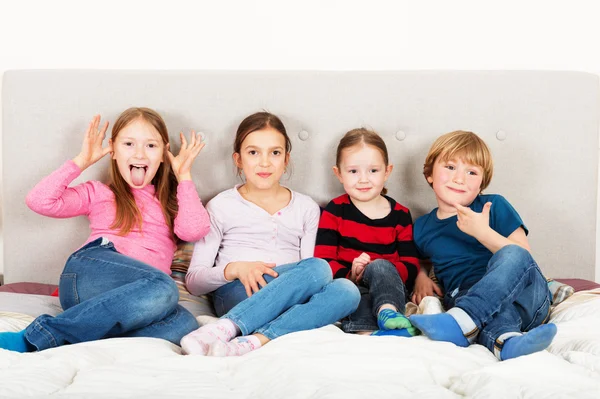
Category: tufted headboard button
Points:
column 400, row 135
column 303, row 135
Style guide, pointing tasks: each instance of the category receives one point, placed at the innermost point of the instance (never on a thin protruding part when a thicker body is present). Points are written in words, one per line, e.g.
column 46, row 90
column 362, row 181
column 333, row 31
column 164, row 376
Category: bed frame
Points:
column 542, row 128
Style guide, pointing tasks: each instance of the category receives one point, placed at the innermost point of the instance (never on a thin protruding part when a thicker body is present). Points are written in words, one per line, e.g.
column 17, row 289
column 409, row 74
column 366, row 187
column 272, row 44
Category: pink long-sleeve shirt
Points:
column 152, row 244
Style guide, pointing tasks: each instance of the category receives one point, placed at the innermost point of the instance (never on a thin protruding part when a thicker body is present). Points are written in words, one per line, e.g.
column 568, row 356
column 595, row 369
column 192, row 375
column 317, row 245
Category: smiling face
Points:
column 262, row 158
column 362, row 171
column 455, row 181
column 138, row 151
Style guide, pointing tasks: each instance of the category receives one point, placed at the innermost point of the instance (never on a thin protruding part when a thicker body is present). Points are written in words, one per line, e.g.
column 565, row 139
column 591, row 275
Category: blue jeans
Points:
column 302, row 297
column 512, row 296
column 106, row 294
column 381, row 284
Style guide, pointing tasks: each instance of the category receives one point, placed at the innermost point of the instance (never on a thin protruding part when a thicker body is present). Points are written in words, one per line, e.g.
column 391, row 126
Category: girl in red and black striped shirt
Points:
column 366, row 237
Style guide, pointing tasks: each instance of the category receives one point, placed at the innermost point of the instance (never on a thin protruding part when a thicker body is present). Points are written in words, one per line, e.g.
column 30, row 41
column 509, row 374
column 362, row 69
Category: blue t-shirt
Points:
column 459, row 259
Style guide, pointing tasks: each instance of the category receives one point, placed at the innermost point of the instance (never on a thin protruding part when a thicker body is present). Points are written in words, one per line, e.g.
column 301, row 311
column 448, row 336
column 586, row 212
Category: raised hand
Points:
column 358, row 267
column 182, row 163
column 250, row 274
column 91, row 149
column 473, row 223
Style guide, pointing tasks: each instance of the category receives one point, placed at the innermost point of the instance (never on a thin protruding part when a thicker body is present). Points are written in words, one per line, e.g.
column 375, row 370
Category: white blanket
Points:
column 322, row 363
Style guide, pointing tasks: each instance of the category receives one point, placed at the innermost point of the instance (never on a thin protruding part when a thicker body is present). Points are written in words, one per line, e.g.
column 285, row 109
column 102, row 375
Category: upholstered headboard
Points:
column 542, row 128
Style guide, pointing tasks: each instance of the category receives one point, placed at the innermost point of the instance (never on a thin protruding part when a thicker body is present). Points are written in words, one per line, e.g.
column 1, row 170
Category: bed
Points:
column 542, row 128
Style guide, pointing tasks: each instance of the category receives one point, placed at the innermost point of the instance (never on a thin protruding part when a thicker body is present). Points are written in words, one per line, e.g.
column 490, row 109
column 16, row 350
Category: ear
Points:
column 112, row 152
column 388, row 170
column 336, row 170
column 237, row 160
column 430, row 179
column 287, row 159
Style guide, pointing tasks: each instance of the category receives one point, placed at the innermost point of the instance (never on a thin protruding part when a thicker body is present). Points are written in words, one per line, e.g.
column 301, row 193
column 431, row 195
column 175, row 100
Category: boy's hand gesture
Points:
column 91, row 149
column 473, row 223
column 358, row 267
column 182, row 163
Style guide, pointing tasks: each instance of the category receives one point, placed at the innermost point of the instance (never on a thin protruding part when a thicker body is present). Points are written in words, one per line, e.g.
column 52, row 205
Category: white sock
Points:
column 199, row 341
column 236, row 347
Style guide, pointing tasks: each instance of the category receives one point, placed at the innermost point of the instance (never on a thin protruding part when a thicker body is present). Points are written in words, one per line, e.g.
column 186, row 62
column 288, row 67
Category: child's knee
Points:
column 515, row 257
column 347, row 292
column 381, row 267
column 317, row 270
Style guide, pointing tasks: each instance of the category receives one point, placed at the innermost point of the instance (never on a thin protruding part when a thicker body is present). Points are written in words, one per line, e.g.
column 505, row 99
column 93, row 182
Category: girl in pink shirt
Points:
column 118, row 283
column 257, row 259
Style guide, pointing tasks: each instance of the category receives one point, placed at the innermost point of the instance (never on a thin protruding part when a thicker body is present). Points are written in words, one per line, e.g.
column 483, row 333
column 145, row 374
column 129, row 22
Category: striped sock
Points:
column 402, row 332
column 388, row 319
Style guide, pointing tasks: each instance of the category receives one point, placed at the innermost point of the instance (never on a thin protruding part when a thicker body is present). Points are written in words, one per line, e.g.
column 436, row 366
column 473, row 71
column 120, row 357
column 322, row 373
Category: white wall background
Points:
column 298, row 35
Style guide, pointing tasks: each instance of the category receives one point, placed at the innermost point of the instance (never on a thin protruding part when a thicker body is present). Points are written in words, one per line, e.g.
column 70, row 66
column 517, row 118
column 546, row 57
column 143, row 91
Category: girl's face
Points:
column 262, row 158
column 362, row 172
column 138, row 150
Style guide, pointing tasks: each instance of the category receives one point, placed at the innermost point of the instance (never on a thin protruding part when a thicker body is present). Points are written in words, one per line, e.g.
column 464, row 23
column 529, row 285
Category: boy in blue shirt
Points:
column 494, row 290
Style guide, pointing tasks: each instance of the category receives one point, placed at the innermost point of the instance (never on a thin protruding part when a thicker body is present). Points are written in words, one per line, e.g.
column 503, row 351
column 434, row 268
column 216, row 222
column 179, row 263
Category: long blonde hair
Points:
column 128, row 214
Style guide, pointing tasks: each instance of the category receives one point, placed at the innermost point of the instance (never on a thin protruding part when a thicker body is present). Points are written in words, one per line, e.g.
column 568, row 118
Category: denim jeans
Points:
column 302, row 297
column 380, row 284
column 512, row 296
column 107, row 294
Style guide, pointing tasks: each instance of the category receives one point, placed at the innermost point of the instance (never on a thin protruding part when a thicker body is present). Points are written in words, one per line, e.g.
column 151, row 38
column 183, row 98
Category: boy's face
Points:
column 455, row 182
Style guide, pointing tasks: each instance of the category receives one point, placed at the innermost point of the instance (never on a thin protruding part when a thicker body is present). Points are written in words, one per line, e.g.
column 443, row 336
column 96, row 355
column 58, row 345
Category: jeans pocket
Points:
column 67, row 289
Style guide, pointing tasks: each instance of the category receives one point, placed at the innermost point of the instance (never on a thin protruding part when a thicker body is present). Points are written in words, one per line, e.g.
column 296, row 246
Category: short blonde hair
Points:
column 464, row 145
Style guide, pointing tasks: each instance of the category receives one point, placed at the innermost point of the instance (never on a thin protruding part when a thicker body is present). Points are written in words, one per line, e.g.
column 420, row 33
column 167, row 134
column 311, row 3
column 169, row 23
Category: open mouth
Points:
column 138, row 174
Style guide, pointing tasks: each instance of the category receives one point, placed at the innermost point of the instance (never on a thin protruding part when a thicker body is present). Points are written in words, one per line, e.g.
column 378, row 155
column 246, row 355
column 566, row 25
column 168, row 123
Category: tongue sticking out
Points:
column 137, row 175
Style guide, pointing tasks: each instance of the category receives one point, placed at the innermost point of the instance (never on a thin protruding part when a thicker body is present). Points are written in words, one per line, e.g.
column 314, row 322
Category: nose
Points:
column 264, row 160
column 140, row 152
column 458, row 178
column 363, row 177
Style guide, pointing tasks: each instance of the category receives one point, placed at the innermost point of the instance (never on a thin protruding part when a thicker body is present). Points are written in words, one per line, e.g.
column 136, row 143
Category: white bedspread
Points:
column 323, row 363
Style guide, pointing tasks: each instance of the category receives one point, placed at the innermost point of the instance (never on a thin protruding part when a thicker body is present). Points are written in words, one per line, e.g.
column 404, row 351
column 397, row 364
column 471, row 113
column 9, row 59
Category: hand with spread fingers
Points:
column 473, row 223
column 250, row 274
column 182, row 163
column 91, row 149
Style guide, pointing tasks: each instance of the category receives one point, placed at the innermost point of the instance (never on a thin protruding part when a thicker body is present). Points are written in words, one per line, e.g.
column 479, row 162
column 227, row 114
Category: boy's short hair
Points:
column 464, row 145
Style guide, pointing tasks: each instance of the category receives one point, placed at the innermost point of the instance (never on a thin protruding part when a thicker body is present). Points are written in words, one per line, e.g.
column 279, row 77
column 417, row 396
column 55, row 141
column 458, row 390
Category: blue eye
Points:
column 472, row 172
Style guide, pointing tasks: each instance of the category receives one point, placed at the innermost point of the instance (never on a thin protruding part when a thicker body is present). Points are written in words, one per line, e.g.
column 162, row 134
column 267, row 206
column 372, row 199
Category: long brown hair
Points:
column 128, row 214
column 258, row 121
column 362, row 136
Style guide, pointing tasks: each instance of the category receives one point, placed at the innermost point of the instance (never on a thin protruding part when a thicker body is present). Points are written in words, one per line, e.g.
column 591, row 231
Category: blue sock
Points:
column 15, row 341
column 535, row 340
column 389, row 319
column 403, row 332
column 440, row 327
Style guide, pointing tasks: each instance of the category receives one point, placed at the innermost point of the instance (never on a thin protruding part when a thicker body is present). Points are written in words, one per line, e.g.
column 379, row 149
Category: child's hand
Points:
column 358, row 267
column 91, row 149
column 182, row 163
column 424, row 286
column 250, row 274
column 473, row 223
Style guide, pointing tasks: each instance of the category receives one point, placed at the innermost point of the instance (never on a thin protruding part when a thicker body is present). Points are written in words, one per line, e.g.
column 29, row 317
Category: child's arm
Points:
column 311, row 226
column 52, row 196
column 328, row 242
column 202, row 277
column 477, row 225
column 192, row 221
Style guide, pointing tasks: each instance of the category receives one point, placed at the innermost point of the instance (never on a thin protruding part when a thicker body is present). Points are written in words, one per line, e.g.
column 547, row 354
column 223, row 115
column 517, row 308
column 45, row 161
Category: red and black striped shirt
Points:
column 345, row 232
